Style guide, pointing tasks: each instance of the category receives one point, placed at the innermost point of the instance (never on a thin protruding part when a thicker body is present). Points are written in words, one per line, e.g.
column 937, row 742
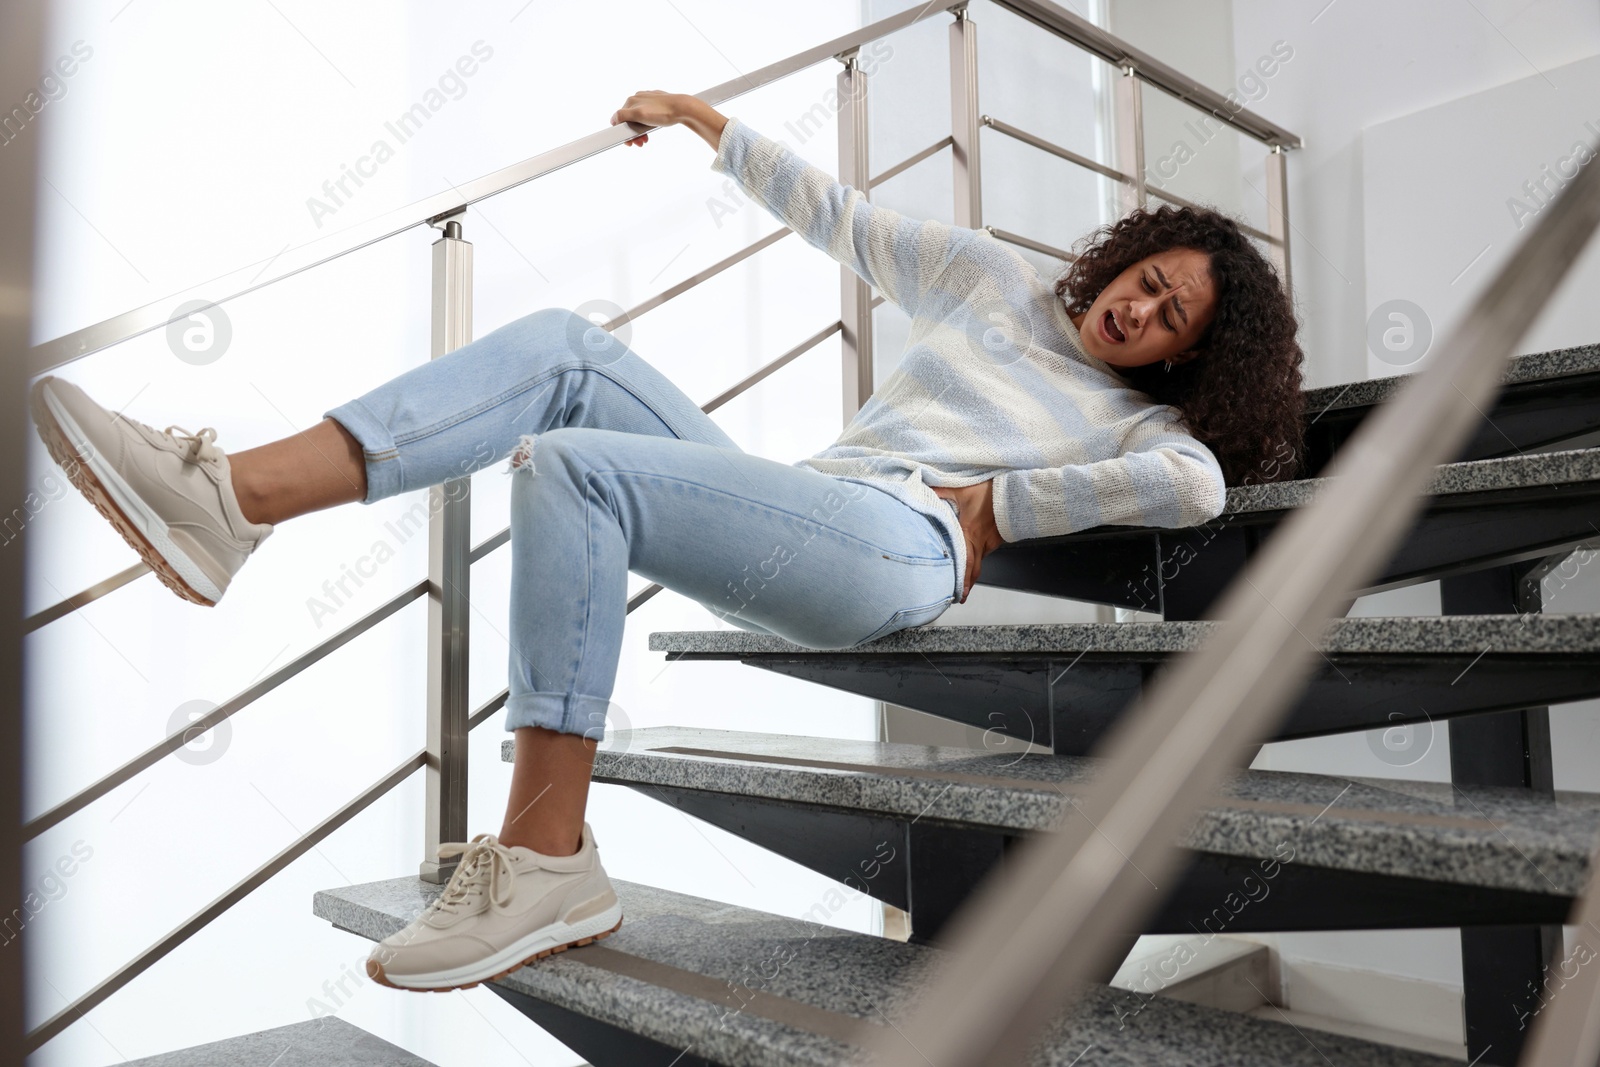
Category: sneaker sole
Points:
column 447, row 981
column 102, row 485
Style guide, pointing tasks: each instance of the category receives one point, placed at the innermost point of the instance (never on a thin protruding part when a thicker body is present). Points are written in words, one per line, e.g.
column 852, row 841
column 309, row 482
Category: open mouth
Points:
column 1109, row 327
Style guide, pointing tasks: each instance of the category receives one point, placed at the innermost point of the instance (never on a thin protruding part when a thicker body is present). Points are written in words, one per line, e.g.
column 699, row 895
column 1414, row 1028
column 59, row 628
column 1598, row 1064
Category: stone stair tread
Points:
column 1536, row 366
column 739, row 986
column 1416, row 634
column 1565, row 467
column 1489, row 837
column 325, row 1042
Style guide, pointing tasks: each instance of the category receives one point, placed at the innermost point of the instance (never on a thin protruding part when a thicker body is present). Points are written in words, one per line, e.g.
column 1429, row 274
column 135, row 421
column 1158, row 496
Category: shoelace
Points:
column 202, row 445
column 485, row 863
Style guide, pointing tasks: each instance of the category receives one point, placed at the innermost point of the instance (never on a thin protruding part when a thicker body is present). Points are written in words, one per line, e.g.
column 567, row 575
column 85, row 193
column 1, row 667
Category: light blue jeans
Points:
column 615, row 470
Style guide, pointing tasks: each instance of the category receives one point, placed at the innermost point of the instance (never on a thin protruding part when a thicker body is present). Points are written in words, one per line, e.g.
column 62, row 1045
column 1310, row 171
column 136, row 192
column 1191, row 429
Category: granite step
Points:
column 1062, row 685
column 1292, row 851
column 1548, row 397
column 1477, row 514
column 324, row 1042
column 687, row 981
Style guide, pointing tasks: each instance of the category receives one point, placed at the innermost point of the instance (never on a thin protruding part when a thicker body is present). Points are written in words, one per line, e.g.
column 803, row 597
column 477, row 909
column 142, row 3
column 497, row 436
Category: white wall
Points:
column 187, row 145
column 1420, row 120
column 1359, row 63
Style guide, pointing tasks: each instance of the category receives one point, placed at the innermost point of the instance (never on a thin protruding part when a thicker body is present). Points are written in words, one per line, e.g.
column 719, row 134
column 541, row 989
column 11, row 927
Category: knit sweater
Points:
column 994, row 382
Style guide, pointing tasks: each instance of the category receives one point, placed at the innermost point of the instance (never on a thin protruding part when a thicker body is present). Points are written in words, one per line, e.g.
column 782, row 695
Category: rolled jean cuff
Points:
column 378, row 449
column 566, row 713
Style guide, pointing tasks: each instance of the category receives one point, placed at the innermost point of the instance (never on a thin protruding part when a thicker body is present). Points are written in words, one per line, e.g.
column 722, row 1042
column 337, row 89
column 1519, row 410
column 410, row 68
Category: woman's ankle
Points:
column 317, row 468
column 253, row 504
column 544, row 841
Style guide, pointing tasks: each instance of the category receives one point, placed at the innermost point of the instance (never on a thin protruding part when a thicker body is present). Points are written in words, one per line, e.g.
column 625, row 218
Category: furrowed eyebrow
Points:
column 1176, row 303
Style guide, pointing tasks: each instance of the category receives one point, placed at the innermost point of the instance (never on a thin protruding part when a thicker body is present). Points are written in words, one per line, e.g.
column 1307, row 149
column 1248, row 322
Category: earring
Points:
column 1169, row 366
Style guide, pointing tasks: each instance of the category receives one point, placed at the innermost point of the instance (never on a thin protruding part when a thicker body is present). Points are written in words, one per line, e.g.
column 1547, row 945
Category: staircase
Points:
column 1496, row 853
column 689, row 982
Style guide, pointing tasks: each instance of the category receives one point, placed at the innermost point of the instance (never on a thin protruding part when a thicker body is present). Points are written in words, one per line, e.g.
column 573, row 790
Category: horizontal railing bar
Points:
column 821, row 335
column 1109, row 172
column 197, row 922
column 488, row 545
column 153, row 755
column 1092, row 39
column 744, row 384
column 642, row 595
column 1174, row 198
column 907, row 164
column 77, row 600
column 749, row 250
column 488, row 708
column 1054, row 149
column 498, row 701
column 695, row 279
column 1028, row 242
column 285, row 264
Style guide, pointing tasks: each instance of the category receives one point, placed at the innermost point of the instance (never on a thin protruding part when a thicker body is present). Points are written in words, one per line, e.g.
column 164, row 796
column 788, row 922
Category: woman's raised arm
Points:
column 903, row 258
column 652, row 107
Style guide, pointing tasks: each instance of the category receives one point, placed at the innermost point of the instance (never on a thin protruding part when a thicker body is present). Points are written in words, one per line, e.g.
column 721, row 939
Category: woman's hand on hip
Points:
column 653, row 107
column 975, row 504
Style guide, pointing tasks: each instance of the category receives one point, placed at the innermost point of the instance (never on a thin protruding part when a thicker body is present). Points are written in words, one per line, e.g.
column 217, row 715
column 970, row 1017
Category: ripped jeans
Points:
column 616, row 470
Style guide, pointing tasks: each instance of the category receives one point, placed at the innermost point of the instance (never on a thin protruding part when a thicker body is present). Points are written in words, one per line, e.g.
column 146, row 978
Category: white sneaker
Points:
column 503, row 907
column 169, row 494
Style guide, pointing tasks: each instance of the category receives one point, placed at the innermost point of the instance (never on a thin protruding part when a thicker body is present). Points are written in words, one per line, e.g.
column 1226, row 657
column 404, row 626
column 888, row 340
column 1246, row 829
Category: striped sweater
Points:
column 994, row 382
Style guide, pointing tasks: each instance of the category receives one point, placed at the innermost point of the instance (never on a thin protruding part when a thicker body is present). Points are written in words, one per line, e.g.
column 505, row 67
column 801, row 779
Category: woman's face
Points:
column 1155, row 310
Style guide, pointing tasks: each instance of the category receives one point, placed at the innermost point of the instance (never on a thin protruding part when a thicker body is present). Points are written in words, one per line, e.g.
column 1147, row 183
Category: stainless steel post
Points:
column 964, row 121
column 855, row 295
column 22, row 36
column 1129, row 110
column 449, row 582
column 1278, row 212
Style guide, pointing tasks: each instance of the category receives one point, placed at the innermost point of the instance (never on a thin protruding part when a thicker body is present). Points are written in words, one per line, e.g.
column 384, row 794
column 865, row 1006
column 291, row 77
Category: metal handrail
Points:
column 79, row 343
column 1119, row 53
column 261, row 273
column 202, row 918
column 1027, row 942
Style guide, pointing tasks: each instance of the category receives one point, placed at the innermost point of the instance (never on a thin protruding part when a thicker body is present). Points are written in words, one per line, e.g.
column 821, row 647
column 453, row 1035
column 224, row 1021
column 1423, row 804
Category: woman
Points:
column 1161, row 366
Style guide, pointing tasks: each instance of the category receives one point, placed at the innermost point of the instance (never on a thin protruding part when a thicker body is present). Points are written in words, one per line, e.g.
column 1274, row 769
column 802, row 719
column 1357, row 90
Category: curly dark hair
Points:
column 1241, row 393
